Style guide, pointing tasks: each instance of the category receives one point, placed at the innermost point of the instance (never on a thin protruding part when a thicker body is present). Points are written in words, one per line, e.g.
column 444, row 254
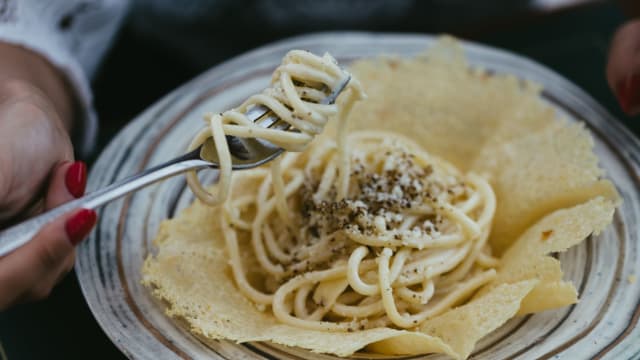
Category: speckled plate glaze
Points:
column 602, row 325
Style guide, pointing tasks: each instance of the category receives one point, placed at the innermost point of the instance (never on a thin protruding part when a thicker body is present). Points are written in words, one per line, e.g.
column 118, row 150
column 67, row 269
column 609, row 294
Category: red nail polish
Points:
column 623, row 97
column 76, row 178
column 633, row 94
column 80, row 224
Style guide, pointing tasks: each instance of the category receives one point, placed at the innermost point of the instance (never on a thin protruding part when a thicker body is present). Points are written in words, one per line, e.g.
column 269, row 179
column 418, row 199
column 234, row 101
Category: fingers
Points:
column 623, row 67
column 68, row 181
column 30, row 272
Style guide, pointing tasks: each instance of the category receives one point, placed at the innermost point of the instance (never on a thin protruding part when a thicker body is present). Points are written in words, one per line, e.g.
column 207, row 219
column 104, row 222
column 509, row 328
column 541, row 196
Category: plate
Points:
column 601, row 325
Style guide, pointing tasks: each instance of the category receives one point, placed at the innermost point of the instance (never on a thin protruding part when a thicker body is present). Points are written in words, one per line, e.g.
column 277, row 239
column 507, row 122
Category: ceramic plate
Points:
column 601, row 325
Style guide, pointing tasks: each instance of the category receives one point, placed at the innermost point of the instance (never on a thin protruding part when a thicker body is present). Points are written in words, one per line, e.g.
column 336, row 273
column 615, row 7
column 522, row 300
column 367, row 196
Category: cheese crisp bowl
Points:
column 528, row 132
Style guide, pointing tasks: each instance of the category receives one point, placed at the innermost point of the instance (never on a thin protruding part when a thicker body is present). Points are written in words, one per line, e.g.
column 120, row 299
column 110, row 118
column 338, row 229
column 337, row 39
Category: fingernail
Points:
column 76, row 178
column 634, row 95
column 623, row 98
column 79, row 225
column 629, row 95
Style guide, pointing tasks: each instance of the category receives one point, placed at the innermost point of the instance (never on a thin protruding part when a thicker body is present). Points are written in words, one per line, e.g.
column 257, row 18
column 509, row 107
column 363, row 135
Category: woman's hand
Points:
column 623, row 68
column 37, row 172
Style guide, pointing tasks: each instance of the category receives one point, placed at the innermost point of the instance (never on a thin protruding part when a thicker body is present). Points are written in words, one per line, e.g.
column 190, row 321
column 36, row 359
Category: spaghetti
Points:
column 297, row 86
column 341, row 238
column 403, row 240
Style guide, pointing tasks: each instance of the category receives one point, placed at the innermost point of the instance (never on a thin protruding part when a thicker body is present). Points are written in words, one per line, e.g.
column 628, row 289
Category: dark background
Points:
column 571, row 40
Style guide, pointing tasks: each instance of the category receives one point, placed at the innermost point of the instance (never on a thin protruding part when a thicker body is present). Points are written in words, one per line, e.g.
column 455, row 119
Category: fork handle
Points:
column 19, row 234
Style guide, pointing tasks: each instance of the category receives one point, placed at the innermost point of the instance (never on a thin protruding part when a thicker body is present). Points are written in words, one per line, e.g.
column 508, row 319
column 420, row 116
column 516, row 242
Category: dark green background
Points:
column 573, row 42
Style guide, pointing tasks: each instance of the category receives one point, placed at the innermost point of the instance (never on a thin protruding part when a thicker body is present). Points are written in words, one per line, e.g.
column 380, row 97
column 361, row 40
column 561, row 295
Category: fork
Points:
column 247, row 153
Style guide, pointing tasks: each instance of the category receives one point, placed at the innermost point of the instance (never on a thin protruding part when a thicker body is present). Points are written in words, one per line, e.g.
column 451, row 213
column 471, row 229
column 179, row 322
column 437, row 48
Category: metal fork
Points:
column 246, row 154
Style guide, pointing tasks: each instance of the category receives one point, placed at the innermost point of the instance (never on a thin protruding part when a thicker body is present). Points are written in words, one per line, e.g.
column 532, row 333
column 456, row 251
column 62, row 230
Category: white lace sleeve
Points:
column 73, row 35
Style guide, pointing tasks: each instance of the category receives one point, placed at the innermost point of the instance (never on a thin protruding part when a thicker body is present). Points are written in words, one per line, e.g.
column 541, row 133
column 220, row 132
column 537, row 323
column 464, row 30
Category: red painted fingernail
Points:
column 634, row 95
column 80, row 224
column 76, row 178
column 623, row 97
